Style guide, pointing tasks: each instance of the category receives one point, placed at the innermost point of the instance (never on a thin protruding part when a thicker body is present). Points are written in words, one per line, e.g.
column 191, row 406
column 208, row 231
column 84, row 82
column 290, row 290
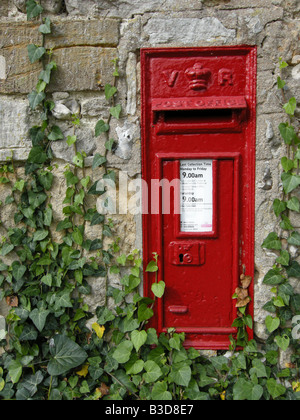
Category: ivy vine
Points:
column 56, row 349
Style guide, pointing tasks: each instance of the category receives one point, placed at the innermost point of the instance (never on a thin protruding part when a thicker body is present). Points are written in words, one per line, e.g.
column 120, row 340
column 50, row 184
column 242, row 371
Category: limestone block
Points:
column 49, row 6
column 131, row 78
column 85, row 142
column 4, row 7
column 118, row 8
column 187, row 30
column 14, row 123
column 100, row 32
column 94, row 106
column 82, row 67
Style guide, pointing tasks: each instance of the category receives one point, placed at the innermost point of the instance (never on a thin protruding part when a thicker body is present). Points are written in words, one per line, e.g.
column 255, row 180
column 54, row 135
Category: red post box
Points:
column 198, row 166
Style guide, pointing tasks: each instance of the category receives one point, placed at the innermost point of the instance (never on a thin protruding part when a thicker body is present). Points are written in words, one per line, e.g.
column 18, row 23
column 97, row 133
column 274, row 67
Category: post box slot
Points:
column 199, row 116
column 198, row 121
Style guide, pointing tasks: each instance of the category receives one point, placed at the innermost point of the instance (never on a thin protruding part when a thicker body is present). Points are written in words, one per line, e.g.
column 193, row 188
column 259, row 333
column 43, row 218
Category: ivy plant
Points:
column 56, row 348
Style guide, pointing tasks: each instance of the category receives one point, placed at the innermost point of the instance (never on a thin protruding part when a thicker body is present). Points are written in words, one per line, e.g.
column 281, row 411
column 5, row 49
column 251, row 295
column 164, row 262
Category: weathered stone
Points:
column 64, row 109
column 84, row 67
column 131, row 84
column 4, row 7
column 93, row 107
column 125, row 8
column 187, row 31
column 49, row 6
column 2, row 67
column 85, row 142
column 14, row 123
column 100, row 32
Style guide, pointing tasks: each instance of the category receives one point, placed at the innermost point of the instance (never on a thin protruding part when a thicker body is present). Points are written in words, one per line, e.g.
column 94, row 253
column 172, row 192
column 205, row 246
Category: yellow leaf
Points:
column 223, row 396
column 84, row 371
column 296, row 386
column 98, row 330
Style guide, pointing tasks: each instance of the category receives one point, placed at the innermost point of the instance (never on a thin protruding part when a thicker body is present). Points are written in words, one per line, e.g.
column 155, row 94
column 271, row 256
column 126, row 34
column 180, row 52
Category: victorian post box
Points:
column 198, row 165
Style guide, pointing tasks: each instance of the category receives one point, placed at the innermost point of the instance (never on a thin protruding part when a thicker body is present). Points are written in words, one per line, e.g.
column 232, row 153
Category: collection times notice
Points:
column 196, row 195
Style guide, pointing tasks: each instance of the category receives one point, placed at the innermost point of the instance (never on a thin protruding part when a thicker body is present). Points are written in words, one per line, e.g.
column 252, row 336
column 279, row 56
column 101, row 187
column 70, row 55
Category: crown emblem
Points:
column 199, row 77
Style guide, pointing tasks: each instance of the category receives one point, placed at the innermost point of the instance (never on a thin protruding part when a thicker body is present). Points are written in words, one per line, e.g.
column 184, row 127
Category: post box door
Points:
column 200, row 251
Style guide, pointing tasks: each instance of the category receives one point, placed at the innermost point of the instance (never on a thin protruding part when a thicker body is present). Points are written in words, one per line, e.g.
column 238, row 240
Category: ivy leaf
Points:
column 36, row 199
column 258, row 369
column 45, row 75
column 35, row 99
column 288, row 133
column 33, row 9
column 18, row 270
column 138, row 339
column 110, row 91
column 279, row 206
column 47, row 280
column 275, row 389
column 290, row 182
column 101, row 127
column 116, row 111
column 287, row 164
column 45, row 28
column 153, row 372
column 283, row 342
column 39, row 317
column 242, row 390
column 144, row 313
column 40, row 235
column 123, row 352
column 78, row 160
column 71, row 140
column 272, row 242
column 273, row 277
column 294, row 204
column 181, row 374
column 284, row 258
column 35, row 53
column 56, row 134
column 6, row 249
column 280, row 83
column 294, row 270
column 291, row 106
column 272, row 324
column 294, row 239
column 66, row 355
column 158, row 289
column 152, row 267
column 98, row 161
column 29, row 386
column 109, row 144
column 160, row 392
column 15, row 369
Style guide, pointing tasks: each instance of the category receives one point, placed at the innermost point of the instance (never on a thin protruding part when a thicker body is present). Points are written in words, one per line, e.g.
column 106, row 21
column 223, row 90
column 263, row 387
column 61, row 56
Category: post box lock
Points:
column 187, row 253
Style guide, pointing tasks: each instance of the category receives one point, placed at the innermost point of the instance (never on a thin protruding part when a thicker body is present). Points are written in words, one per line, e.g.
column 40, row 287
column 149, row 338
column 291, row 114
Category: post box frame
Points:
column 213, row 337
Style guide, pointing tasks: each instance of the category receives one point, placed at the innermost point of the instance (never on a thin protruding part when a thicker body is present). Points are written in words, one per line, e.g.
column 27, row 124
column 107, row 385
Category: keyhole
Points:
column 181, row 258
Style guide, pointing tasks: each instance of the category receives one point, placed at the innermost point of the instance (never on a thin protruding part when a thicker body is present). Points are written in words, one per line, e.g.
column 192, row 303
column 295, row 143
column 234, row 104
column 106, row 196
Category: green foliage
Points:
column 53, row 354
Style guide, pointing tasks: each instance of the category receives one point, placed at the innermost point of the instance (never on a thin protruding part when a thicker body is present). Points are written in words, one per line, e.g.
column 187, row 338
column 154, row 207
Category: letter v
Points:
column 171, row 78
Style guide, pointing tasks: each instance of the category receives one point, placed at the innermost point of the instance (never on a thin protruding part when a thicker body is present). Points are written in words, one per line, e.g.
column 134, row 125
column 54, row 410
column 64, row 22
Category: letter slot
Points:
column 198, row 150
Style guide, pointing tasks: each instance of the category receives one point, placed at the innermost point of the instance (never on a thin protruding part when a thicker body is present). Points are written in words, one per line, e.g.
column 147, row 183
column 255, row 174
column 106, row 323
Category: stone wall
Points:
column 89, row 34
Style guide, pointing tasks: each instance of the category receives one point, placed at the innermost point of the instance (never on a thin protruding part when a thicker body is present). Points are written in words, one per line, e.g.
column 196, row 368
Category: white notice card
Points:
column 196, row 195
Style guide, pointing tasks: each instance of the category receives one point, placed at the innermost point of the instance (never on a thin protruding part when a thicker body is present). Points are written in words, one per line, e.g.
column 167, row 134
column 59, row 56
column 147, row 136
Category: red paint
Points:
column 200, row 103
